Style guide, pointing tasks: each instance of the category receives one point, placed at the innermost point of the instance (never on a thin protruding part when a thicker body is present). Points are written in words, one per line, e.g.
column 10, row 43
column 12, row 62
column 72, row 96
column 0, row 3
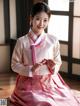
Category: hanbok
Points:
column 45, row 87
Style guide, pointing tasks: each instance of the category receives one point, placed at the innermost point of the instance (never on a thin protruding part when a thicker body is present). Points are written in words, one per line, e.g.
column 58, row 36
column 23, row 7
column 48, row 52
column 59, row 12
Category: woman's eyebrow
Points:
column 41, row 17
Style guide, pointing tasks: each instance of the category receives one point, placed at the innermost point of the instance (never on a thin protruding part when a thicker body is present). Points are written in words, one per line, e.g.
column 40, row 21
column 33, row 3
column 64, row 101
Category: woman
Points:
column 36, row 59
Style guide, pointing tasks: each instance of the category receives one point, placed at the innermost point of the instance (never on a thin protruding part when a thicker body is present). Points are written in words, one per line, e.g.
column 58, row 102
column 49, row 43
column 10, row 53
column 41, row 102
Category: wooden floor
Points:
column 7, row 84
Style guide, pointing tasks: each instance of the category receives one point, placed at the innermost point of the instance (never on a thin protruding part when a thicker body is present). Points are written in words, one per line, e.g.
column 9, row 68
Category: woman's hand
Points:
column 50, row 63
column 35, row 67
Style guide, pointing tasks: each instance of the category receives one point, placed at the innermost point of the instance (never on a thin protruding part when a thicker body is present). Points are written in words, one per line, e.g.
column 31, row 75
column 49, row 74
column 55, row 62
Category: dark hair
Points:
column 40, row 7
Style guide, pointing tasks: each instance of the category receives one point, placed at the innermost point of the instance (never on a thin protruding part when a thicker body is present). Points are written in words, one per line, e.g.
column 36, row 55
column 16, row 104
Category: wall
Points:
column 4, row 48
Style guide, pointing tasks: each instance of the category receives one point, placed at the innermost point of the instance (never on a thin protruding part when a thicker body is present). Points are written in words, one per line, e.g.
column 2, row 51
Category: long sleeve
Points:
column 17, row 61
column 57, row 57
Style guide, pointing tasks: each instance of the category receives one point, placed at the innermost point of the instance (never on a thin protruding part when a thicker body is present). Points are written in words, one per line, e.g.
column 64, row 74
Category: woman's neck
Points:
column 36, row 33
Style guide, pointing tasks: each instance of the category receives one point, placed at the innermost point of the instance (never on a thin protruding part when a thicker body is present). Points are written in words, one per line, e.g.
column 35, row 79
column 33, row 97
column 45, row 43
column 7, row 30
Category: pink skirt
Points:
column 48, row 90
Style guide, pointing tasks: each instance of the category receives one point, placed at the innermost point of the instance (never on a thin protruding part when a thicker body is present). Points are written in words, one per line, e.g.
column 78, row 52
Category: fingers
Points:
column 50, row 63
column 35, row 67
column 44, row 61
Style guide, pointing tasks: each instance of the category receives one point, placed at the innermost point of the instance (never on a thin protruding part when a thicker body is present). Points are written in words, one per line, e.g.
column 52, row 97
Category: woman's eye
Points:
column 37, row 19
column 45, row 20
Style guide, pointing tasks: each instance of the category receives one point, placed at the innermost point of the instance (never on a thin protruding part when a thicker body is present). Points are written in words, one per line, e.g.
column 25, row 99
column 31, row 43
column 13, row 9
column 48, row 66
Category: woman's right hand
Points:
column 35, row 67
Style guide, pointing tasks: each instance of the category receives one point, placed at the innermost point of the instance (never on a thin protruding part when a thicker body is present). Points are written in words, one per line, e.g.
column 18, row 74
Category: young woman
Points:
column 36, row 59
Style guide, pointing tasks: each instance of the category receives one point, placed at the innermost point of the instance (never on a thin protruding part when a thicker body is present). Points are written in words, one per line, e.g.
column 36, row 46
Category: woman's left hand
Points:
column 50, row 63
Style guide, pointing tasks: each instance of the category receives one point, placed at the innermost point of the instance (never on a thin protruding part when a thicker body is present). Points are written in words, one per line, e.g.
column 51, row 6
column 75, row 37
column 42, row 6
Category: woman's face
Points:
column 39, row 22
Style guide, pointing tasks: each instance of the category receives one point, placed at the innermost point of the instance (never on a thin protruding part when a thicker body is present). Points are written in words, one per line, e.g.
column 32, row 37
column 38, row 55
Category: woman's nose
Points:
column 41, row 22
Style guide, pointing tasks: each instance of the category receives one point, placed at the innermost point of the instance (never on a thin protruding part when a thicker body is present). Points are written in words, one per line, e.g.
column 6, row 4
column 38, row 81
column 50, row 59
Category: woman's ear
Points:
column 31, row 21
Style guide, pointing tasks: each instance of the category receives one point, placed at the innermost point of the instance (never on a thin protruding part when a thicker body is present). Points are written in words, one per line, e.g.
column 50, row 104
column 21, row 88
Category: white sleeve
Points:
column 57, row 57
column 16, row 62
